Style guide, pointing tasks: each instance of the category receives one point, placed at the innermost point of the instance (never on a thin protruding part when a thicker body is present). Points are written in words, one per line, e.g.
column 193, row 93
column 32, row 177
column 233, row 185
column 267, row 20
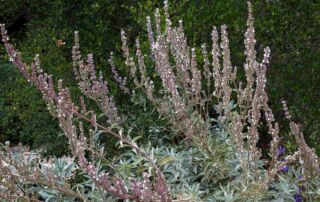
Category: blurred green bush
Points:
column 289, row 28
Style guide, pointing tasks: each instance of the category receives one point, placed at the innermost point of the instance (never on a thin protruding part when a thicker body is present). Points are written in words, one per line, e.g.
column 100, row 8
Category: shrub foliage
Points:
column 205, row 148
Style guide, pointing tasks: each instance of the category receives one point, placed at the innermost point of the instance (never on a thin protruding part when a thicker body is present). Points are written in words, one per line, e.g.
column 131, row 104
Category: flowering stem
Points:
column 129, row 143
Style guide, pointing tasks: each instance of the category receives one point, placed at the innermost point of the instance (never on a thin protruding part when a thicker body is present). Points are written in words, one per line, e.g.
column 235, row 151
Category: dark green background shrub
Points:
column 290, row 28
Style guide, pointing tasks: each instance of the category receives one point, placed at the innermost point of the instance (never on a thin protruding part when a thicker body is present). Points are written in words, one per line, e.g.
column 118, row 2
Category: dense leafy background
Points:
column 291, row 29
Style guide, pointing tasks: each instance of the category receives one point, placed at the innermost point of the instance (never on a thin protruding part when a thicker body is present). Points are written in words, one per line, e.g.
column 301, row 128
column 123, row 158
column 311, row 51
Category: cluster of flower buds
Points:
column 122, row 82
column 93, row 87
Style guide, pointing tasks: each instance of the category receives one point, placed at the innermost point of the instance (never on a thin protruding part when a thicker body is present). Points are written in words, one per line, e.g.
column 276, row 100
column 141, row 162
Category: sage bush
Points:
column 207, row 150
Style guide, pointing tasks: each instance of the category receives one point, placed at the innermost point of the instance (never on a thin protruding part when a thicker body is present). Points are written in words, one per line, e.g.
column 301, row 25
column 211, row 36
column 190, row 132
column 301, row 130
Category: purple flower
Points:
column 281, row 150
column 297, row 197
column 285, row 168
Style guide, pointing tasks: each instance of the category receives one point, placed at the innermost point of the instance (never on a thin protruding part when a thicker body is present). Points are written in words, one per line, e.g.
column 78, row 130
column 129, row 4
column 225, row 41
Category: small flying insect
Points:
column 60, row 43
